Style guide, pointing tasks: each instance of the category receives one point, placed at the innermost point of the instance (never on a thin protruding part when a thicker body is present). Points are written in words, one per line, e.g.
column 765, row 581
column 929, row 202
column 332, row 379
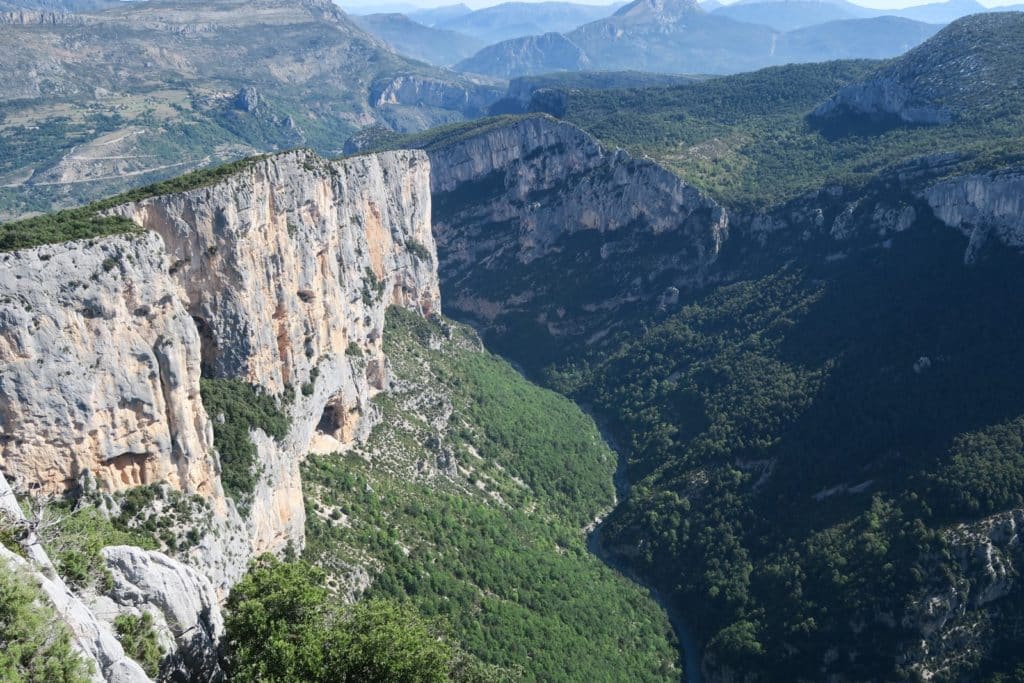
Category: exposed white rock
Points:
column 182, row 600
column 272, row 275
column 92, row 637
column 881, row 97
column 99, row 370
column 981, row 206
column 985, row 558
column 283, row 266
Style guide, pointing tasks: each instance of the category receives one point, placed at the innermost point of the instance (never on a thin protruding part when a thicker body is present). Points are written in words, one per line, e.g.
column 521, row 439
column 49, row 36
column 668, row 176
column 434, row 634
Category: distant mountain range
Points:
column 671, row 36
column 412, row 39
column 679, row 36
column 515, row 19
column 510, row 19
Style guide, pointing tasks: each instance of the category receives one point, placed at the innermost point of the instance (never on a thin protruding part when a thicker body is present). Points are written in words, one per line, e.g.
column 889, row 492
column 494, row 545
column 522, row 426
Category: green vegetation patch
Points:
column 74, row 544
column 171, row 518
column 236, row 407
column 474, row 509
column 283, row 624
column 748, row 141
column 35, row 646
column 802, row 440
column 138, row 637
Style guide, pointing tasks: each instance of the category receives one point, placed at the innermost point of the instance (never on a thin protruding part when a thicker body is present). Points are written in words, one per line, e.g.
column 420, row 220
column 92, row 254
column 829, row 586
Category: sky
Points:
column 402, row 5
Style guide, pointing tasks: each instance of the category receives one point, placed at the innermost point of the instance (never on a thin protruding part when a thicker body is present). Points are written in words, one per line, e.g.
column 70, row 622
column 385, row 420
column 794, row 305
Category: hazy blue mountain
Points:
column 412, row 39
column 873, row 38
column 517, row 19
column 941, row 12
column 787, row 15
column 528, row 55
column 438, row 15
column 678, row 36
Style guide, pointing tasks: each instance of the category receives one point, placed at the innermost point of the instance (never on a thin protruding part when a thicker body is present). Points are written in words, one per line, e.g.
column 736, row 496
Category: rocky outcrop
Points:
column 99, row 369
column 982, row 207
column 92, row 636
column 882, row 99
column 514, row 205
column 35, row 17
column 961, row 608
column 953, row 74
column 183, row 604
column 470, row 99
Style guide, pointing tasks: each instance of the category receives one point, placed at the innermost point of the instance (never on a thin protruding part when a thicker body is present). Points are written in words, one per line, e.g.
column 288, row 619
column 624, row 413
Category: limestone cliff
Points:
column 422, row 91
column 982, row 206
column 99, row 370
column 286, row 268
column 278, row 275
column 537, row 215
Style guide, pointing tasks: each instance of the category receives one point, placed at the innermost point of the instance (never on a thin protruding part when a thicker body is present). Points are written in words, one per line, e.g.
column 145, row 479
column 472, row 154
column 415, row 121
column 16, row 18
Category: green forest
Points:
column 490, row 540
column 799, row 440
column 748, row 140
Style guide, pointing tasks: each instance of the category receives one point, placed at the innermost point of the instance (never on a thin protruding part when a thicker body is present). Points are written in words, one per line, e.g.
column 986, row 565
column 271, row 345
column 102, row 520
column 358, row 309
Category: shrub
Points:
column 35, row 647
column 243, row 407
column 138, row 638
column 283, row 625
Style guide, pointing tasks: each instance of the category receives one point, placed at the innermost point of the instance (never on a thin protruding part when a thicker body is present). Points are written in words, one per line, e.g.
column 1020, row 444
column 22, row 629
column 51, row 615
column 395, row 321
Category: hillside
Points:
column 964, row 73
column 470, row 495
column 157, row 88
column 749, row 139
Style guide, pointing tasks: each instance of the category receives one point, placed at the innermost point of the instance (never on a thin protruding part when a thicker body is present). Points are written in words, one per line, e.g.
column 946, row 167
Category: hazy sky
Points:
column 397, row 5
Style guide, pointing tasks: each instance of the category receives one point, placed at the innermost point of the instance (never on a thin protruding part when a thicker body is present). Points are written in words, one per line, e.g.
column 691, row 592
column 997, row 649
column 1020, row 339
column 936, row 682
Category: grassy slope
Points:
column 496, row 547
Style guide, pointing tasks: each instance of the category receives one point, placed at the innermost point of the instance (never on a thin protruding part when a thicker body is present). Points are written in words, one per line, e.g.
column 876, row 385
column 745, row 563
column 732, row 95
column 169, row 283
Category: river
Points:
column 689, row 650
column 687, row 643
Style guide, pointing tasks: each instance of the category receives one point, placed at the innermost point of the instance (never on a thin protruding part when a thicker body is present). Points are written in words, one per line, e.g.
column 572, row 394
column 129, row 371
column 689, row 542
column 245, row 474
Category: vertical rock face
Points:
column 99, row 370
column 536, row 219
column 279, row 275
column 982, row 206
column 287, row 269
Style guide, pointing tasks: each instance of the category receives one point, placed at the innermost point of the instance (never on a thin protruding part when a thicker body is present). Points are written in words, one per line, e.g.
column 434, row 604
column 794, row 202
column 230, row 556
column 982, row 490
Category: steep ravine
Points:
column 556, row 249
column 689, row 649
